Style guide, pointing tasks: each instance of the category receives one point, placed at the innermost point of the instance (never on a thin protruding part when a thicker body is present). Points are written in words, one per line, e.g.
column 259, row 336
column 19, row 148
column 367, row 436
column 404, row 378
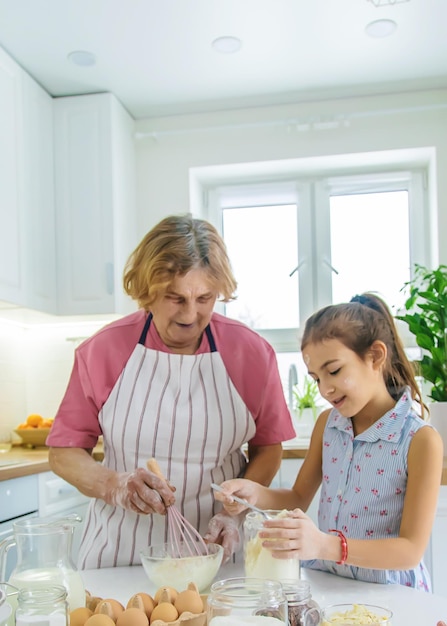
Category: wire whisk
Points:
column 184, row 539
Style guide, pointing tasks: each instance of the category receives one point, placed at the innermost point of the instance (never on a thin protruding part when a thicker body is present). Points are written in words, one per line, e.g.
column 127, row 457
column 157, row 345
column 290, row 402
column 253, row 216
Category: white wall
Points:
column 35, row 363
column 12, row 376
column 168, row 149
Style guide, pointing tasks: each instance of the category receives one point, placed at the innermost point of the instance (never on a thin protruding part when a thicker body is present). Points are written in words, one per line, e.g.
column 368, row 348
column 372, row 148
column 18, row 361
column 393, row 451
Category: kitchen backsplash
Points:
column 36, row 358
column 35, row 365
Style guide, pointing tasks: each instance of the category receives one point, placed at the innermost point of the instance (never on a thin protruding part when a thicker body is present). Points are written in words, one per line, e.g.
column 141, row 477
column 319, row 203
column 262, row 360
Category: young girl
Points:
column 378, row 463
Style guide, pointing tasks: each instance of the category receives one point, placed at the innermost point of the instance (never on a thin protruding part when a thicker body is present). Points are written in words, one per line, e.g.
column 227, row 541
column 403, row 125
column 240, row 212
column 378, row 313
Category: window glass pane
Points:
column 370, row 245
column 263, row 248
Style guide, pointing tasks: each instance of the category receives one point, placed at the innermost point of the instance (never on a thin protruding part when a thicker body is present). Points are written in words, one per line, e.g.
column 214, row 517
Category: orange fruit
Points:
column 46, row 423
column 34, row 420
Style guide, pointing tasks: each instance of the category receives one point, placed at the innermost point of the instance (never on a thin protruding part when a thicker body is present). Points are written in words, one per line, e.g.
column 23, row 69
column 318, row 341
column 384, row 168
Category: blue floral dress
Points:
column 363, row 487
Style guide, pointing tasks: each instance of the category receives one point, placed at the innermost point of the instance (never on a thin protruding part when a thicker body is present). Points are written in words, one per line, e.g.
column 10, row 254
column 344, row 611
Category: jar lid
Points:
column 296, row 590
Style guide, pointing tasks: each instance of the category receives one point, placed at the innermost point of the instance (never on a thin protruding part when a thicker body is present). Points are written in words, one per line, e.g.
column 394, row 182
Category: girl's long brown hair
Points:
column 357, row 324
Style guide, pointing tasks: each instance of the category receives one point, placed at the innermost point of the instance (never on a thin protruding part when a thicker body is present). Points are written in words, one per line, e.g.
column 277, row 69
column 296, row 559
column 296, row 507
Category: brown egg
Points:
column 172, row 594
column 99, row 619
column 142, row 601
column 189, row 600
column 110, row 607
column 79, row 616
column 132, row 617
column 164, row 611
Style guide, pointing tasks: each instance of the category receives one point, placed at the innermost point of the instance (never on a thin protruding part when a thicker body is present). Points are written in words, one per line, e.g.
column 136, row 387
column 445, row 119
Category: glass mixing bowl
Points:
column 165, row 566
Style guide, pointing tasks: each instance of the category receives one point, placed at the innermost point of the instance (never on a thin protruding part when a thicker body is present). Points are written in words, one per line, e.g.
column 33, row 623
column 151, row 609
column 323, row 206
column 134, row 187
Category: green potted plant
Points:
column 426, row 316
column 306, row 405
column 306, row 396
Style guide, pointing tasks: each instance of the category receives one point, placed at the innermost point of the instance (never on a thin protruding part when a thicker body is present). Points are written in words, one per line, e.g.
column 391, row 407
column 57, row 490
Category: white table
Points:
column 410, row 607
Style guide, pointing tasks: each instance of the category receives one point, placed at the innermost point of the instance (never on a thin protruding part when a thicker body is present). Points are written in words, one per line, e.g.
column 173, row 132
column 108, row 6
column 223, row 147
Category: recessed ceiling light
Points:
column 381, row 28
column 82, row 58
column 227, row 45
column 383, row 3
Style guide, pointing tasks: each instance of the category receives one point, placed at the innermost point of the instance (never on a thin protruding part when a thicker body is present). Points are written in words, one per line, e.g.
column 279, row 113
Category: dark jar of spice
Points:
column 302, row 609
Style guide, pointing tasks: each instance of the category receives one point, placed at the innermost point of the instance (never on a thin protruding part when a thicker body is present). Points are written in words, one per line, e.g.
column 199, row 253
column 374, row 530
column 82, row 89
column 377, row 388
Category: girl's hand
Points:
column 293, row 537
column 241, row 487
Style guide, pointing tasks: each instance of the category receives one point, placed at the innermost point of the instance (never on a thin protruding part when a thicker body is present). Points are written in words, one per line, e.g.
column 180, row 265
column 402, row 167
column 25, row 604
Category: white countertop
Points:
column 410, row 607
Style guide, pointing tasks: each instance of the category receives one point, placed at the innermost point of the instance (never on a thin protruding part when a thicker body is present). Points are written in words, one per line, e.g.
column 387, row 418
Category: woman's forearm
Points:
column 78, row 467
column 264, row 462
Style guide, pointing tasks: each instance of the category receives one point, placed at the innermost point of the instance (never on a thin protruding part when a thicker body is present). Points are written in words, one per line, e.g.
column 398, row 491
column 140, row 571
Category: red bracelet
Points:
column 344, row 546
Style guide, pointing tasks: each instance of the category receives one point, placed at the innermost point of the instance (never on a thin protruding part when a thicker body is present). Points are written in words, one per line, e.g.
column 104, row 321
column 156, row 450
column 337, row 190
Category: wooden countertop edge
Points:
column 35, row 461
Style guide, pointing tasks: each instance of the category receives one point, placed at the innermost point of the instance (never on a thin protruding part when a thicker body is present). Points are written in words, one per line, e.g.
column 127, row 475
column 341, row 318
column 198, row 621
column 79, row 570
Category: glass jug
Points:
column 243, row 601
column 8, row 603
column 44, row 556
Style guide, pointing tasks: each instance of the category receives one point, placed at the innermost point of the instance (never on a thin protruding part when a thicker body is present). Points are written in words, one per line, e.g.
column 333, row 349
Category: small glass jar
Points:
column 239, row 601
column 303, row 610
column 42, row 606
column 259, row 562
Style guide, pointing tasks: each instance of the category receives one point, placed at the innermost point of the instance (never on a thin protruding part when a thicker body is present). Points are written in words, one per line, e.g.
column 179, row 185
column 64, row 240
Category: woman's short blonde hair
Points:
column 176, row 245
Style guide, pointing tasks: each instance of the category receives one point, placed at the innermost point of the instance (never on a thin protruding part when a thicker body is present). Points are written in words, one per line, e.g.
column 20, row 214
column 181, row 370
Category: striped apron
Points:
column 184, row 411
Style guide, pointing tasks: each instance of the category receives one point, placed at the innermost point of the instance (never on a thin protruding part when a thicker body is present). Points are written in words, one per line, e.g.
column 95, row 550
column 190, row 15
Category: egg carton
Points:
column 185, row 619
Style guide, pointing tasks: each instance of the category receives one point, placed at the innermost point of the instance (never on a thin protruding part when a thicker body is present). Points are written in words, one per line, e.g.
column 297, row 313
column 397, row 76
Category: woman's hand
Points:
column 241, row 487
column 224, row 530
column 140, row 491
column 293, row 537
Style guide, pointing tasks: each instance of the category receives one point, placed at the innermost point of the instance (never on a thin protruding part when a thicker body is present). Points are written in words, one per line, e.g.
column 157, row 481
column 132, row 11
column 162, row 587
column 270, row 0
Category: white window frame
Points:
column 311, row 193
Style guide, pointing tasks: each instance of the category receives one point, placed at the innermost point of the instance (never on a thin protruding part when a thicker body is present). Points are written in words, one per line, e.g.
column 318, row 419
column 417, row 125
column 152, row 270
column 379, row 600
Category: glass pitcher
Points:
column 44, row 556
column 8, row 604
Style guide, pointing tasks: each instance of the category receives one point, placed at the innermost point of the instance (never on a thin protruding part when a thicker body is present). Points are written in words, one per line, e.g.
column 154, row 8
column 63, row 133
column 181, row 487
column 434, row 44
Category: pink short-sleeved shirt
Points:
column 250, row 362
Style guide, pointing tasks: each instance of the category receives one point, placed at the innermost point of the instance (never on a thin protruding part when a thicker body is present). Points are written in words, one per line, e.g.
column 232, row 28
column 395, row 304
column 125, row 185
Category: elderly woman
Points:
column 174, row 381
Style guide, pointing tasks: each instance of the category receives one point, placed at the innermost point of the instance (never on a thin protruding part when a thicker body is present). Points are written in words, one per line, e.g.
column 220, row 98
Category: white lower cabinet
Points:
column 18, row 501
column 58, row 499
column 38, row 495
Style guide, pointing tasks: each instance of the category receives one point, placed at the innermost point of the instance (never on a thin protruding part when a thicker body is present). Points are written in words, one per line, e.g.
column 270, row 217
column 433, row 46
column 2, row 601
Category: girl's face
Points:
column 352, row 385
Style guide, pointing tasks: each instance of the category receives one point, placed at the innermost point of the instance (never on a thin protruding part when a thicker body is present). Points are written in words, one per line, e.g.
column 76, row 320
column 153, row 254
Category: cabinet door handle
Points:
column 109, row 278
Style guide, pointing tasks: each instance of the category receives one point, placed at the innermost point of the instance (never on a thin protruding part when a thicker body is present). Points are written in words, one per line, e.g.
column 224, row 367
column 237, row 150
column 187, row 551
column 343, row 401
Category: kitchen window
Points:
column 300, row 244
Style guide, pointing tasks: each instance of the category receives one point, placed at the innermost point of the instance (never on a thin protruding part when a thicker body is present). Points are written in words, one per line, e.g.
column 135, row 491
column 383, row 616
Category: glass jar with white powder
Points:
column 258, row 561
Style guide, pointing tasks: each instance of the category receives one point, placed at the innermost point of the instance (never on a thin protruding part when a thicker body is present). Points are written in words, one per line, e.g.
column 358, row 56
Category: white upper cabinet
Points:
column 38, row 194
column 67, row 198
column 27, row 233
column 95, row 203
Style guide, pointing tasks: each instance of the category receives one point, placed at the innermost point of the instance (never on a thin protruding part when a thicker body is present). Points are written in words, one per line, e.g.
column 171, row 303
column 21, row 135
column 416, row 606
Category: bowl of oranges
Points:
column 34, row 430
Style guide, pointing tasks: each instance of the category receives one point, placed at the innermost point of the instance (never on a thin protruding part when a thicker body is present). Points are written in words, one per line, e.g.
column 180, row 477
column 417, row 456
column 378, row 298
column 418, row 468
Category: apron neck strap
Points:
column 211, row 341
column 143, row 335
column 209, row 334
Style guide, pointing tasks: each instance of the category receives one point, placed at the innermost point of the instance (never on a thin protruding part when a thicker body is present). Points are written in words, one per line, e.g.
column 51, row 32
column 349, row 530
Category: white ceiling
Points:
column 156, row 55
